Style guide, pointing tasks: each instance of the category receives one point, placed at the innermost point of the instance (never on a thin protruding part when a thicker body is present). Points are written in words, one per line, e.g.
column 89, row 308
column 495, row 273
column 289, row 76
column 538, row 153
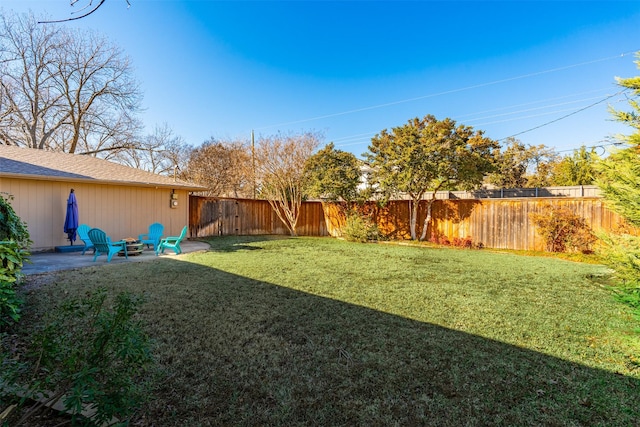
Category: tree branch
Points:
column 78, row 17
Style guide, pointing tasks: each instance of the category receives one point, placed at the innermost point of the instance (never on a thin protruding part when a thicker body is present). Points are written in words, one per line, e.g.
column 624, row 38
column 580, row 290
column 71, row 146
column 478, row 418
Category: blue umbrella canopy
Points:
column 71, row 220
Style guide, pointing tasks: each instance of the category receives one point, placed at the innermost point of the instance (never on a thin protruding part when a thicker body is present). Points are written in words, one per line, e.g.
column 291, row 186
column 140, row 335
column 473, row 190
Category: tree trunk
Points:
column 413, row 217
column 427, row 219
column 284, row 214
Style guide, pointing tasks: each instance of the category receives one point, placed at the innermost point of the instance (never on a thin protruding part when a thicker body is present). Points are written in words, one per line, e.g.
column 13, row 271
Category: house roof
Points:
column 29, row 163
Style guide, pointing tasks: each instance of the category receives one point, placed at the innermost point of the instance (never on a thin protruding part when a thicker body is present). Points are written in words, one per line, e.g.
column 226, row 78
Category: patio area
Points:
column 44, row 262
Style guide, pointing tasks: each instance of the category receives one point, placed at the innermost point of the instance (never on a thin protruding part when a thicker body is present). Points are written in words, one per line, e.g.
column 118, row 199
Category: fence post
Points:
column 220, row 217
column 237, row 218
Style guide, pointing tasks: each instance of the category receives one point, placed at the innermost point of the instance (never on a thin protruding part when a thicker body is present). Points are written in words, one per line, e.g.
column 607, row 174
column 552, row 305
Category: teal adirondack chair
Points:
column 153, row 236
column 172, row 242
column 83, row 234
column 103, row 244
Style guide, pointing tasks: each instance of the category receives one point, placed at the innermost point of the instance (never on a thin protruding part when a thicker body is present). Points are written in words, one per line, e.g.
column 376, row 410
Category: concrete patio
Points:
column 44, row 262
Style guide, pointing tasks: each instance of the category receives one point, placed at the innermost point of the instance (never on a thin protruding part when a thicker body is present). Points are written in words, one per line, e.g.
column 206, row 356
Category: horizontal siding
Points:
column 121, row 211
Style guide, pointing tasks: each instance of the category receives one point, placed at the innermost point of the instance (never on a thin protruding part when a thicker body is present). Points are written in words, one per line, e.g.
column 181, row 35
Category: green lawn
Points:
column 318, row 331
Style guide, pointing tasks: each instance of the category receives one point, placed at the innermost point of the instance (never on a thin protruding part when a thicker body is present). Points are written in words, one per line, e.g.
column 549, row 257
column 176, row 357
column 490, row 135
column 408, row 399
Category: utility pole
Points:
column 253, row 161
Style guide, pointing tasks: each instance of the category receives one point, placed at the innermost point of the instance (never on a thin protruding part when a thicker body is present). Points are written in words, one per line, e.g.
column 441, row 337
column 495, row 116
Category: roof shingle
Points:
column 30, row 163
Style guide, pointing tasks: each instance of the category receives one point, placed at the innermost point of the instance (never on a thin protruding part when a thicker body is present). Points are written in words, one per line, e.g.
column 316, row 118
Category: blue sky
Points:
column 350, row 69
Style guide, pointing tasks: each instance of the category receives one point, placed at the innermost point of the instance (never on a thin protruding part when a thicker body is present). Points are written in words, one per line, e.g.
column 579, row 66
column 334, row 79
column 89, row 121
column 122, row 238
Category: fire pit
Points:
column 134, row 247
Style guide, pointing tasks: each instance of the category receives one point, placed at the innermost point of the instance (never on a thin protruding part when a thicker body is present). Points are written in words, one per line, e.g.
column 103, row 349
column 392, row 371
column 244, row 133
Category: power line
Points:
column 595, row 144
column 564, row 117
column 347, row 138
column 356, row 141
column 447, row 92
column 531, row 116
column 527, row 110
column 358, row 138
column 470, row 115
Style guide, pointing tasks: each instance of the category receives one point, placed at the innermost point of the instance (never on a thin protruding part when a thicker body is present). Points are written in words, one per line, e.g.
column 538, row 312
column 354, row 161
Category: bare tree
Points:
column 176, row 153
column 64, row 89
column 280, row 162
column 32, row 104
column 160, row 152
column 224, row 167
column 85, row 10
column 106, row 136
column 97, row 81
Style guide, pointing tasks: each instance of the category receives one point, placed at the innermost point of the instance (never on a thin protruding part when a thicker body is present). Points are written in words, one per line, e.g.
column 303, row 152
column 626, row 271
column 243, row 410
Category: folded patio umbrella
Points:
column 71, row 220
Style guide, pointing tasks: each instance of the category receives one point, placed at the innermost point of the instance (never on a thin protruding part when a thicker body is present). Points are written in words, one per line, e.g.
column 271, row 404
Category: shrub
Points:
column 439, row 239
column 11, row 259
column 11, row 226
column 14, row 240
column 563, row 230
column 359, row 229
column 621, row 252
column 458, row 242
column 462, row 242
column 89, row 352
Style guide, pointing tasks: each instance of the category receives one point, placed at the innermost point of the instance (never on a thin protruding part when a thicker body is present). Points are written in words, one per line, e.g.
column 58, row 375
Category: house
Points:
column 121, row 200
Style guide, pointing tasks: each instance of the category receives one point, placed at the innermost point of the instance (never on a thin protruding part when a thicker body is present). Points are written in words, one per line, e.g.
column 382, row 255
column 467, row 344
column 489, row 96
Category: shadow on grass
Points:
column 238, row 243
column 236, row 351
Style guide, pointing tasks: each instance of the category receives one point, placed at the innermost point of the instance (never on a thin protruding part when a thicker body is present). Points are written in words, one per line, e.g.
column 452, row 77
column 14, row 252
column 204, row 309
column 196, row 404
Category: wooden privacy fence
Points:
column 496, row 223
column 209, row 216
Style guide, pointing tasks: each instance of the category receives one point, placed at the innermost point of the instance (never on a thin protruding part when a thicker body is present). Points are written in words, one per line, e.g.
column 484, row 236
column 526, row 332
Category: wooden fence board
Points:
column 496, row 223
column 210, row 216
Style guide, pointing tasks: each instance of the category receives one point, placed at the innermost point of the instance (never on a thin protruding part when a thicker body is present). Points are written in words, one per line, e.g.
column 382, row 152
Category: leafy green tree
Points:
column 520, row 166
column 619, row 181
column 333, row 175
column 631, row 118
column 620, row 172
column 511, row 166
column 427, row 155
column 542, row 161
column 577, row 169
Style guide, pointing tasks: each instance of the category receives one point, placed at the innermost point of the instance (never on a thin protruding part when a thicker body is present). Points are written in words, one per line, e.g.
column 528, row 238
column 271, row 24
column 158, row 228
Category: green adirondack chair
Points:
column 83, row 234
column 153, row 236
column 104, row 245
column 172, row 243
